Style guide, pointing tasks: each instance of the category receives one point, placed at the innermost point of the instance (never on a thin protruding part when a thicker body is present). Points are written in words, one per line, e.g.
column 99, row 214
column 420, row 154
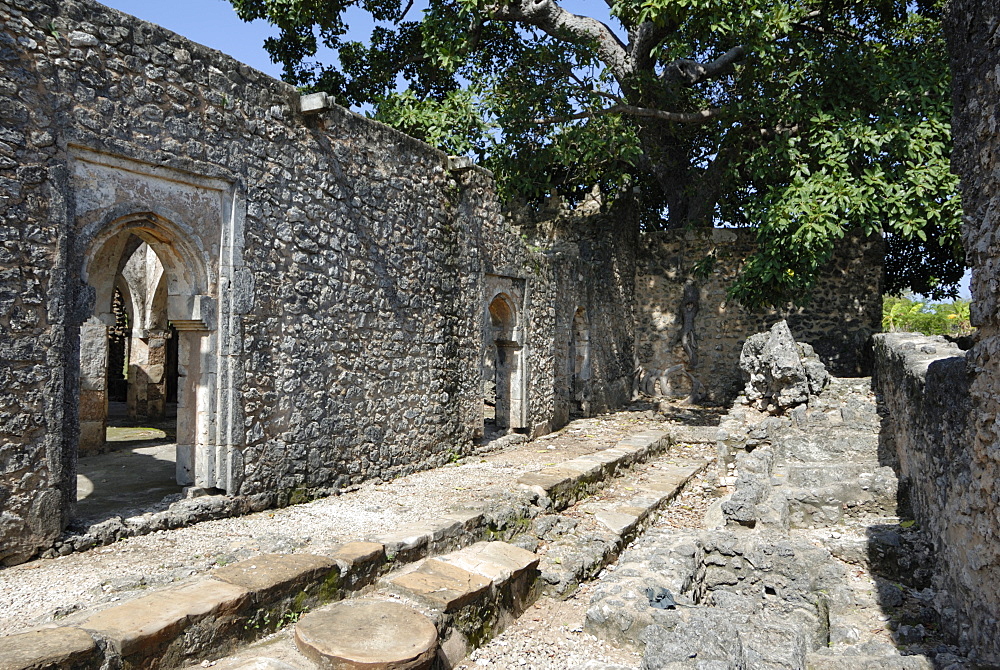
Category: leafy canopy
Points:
column 802, row 118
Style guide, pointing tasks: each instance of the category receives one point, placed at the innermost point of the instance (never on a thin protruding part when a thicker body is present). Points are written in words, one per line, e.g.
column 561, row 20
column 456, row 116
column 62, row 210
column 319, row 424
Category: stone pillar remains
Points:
column 147, row 379
column 93, row 385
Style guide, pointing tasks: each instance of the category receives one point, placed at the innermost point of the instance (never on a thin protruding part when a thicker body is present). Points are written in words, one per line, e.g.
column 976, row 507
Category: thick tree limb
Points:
column 643, row 39
column 676, row 117
column 689, row 72
column 555, row 21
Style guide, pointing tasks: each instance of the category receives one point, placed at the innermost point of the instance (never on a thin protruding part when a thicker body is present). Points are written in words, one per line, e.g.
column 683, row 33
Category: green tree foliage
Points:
column 903, row 314
column 803, row 118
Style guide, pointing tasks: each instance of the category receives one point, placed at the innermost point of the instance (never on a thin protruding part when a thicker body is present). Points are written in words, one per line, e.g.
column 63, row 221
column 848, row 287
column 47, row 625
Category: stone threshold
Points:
column 246, row 600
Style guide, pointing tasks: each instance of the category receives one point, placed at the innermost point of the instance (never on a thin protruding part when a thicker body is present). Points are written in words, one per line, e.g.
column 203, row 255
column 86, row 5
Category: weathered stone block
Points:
column 146, row 627
column 49, row 649
column 269, row 578
column 367, row 634
column 93, row 406
column 441, row 586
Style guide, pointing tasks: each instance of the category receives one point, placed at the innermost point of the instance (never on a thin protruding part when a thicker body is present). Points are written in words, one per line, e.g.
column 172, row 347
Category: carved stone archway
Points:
column 506, row 348
column 180, row 294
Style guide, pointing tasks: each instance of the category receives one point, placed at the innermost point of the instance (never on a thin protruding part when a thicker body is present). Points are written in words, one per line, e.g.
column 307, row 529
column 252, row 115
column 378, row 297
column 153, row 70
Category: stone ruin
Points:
column 766, row 584
column 308, row 298
column 781, row 373
column 345, row 303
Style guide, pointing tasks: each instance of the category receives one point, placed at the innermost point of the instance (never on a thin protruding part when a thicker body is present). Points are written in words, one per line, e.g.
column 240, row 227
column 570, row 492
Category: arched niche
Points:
column 505, row 364
column 580, row 366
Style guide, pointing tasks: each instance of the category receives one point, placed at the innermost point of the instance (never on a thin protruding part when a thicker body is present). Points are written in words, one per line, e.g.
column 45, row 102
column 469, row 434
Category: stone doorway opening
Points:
column 504, row 405
column 141, row 369
column 579, row 356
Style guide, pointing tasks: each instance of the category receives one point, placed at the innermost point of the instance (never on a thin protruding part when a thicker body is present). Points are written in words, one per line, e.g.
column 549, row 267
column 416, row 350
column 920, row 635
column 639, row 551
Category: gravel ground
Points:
column 43, row 590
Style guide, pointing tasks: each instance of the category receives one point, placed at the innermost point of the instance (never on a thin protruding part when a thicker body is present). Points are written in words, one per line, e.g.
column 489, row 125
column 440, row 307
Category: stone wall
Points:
column 941, row 407
column 328, row 277
column 923, row 387
column 846, row 308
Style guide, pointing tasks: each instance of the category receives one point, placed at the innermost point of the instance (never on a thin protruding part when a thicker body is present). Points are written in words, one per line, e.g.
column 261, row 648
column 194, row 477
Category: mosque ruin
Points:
column 321, row 300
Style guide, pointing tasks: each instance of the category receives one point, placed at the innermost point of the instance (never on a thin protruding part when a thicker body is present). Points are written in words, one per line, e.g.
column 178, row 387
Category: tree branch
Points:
column 644, row 39
column 646, row 112
column 402, row 14
column 556, row 22
column 689, row 72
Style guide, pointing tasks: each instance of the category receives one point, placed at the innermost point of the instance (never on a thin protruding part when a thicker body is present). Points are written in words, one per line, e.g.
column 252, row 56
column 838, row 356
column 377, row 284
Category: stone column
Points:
column 93, row 385
column 147, row 381
column 511, row 401
column 188, row 364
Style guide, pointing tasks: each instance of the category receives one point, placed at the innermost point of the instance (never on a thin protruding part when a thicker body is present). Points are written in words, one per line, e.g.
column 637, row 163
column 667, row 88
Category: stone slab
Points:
column 48, row 649
column 271, row 577
column 497, row 561
column 368, row 634
column 548, row 480
column 359, row 553
column 141, row 627
column 406, row 539
column 440, row 585
column 470, row 519
column 617, row 522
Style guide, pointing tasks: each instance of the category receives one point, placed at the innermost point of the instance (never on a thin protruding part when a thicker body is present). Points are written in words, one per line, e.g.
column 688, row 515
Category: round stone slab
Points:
column 368, row 635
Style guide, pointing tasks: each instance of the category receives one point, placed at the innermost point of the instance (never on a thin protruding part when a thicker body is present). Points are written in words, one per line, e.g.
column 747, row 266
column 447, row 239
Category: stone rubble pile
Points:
column 780, row 373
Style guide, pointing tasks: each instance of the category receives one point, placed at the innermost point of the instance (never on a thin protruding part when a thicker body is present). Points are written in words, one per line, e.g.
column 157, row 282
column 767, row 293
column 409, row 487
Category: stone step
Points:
column 428, row 614
column 575, row 479
column 366, row 634
column 477, row 592
column 474, row 593
column 573, row 560
column 210, row 616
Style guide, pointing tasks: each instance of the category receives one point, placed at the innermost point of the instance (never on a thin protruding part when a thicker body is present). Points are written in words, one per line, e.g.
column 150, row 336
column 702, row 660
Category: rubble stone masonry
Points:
column 328, row 276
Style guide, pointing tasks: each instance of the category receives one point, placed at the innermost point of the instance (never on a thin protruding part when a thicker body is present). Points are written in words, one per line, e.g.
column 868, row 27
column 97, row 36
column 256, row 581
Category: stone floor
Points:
column 132, row 478
column 136, row 472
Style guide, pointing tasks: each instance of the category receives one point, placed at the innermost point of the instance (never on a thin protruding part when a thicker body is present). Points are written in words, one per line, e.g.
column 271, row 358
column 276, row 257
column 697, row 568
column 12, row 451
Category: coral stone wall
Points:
column 968, row 509
column 35, row 300
column 923, row 388
column 338, row 318
column 846, row 307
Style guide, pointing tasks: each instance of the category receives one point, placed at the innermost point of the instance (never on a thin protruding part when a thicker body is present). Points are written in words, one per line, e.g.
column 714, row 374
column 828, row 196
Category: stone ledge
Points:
column 147, row 628
column 497, row 561
column 567, row 564
column 271, row 577
column 440, row 585
column 214, row 611
column 49, row 649
column 575, row 479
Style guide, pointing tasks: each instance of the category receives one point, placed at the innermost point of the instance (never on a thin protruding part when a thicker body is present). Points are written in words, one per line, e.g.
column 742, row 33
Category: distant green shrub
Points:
column 939, row 318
